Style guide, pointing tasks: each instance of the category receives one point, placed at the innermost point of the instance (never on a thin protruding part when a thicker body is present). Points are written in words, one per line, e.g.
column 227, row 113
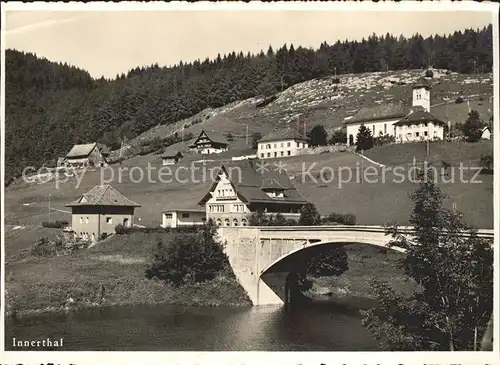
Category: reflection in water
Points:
column 268, row 328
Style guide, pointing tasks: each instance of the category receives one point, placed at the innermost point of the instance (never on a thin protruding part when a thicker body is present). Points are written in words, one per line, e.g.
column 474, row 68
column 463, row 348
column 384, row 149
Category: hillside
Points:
column 50, row 106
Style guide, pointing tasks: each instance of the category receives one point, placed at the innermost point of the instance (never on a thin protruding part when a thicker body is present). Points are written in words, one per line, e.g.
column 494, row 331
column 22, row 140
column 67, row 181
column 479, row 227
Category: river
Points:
column 318, row 327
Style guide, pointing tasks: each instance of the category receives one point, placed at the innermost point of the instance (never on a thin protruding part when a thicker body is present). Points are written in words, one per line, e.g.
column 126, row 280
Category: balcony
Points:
column 231, row 197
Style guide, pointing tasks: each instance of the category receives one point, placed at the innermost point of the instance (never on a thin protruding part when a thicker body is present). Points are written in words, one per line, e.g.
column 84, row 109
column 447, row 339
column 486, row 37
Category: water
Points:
column 319, row 327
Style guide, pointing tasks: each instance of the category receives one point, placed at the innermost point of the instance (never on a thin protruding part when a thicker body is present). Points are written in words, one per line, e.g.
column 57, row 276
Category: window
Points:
column 109, row 220
column 281, row 145
column 219, row 222
column 235, row 222
column 288, row 144
column 425, row 133
column 86, row 220
column 373, row 129
column 297, row 144
column 203, row 219
column 385, row 128
column 81, row 220
column 227, row 222
column 268, row 154
column 281, row 153
column 275, row 145
column 289, row 153
column 275, row 154
column 185, row 215
column 268, row 146
column 417, row 134
column 169, row 215
column 244, row 222
column 262, row 155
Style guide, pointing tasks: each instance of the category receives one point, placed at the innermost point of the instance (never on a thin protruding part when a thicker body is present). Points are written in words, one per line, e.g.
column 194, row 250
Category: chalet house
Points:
column 240, row 190
column 171, row 157
column 99, row 211
column 84, row 155
column 183, row 217
column 281, row 144
column 209, row 142
column 397, row 120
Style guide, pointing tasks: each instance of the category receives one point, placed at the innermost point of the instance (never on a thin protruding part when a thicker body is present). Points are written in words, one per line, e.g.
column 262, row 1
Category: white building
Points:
column 281, row 144
column 183, row 217
column 404, row 123
column 486, row 133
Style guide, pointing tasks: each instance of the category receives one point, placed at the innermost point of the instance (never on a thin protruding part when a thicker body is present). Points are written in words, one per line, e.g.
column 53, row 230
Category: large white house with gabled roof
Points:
column 281, row 144
column 404, row 123
column 240, row 189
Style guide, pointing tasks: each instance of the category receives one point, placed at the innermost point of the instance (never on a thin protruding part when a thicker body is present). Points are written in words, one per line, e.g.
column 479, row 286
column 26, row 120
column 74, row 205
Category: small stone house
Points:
column 99, row 211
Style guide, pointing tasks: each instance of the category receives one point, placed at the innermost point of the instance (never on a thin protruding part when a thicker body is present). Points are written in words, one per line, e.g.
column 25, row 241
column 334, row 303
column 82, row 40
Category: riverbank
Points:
column 366, row 263
column 108, row 274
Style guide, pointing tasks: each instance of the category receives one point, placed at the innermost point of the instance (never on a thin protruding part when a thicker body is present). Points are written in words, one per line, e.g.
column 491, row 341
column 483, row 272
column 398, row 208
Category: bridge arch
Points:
column 381, row 244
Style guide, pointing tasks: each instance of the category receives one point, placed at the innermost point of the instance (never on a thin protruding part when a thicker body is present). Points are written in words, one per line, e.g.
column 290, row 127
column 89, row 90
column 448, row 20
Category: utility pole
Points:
column 428, row 146
column 247, row 133
column 49, row 208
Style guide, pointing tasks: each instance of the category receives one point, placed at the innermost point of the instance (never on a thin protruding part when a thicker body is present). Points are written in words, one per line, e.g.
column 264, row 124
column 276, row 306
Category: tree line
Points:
column 51, row 106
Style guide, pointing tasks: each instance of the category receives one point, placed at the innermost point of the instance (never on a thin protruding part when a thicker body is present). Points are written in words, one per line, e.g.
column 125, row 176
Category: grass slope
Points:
column 100, row 276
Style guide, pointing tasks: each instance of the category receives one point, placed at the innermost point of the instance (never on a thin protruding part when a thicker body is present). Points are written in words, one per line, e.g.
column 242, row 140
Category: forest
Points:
column 51, row 106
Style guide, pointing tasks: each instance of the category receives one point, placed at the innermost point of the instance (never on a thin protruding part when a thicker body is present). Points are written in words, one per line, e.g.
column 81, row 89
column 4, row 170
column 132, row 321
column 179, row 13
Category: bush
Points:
column 188, row 257
column 55, row 224
column 386, row 139
column 486, row 163
column 309, row 216
column 45, row 248
column 121, row 229
column 229, row 137
column 429, row 73
column 459, row 100
column 347, row 219
column 104, row 235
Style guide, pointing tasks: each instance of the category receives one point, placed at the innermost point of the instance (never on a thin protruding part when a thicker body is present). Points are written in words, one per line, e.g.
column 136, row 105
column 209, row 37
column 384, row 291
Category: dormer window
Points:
column 275, row 193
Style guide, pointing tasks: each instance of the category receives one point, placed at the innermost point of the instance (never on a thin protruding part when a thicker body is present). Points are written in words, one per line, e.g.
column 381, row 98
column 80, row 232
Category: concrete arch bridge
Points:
column 258, row 254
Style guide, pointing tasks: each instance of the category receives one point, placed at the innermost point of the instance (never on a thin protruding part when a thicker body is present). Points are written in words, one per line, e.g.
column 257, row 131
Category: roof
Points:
column 196, row 210
column 103, row 195
column 170, row 153
column 379, row 112
column 213, row 136
column 81, row 150
column 422, row 83
column 249, row 183
column 418, row 117
column 283, row 135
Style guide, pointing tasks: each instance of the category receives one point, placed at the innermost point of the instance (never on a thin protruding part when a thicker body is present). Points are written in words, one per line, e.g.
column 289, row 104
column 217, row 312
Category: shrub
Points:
column 55, row 224
column 45, row 248
column 364, row 139
column 309, row 216
column 459, row 100
column 486, row 163
column 347, row 219
column 121, row 229
column 188, row 257
column 429, row 73
column 385, row 139
column 229, row 137
column 104, row 235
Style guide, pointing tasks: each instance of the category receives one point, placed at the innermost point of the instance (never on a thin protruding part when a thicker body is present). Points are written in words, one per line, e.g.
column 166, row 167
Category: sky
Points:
column 107, row 43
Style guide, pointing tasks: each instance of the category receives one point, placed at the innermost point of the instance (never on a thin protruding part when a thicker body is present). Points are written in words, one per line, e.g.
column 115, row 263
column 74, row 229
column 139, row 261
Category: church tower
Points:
column 422, row 96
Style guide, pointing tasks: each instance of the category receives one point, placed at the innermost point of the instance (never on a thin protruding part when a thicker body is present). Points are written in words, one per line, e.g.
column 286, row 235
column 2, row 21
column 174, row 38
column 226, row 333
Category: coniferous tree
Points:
column 364, row 139
column 473, row 127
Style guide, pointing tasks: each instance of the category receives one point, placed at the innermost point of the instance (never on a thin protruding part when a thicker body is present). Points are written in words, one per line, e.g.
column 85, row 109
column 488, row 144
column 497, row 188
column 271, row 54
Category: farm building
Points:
column 209, row 142
column 85, row 155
